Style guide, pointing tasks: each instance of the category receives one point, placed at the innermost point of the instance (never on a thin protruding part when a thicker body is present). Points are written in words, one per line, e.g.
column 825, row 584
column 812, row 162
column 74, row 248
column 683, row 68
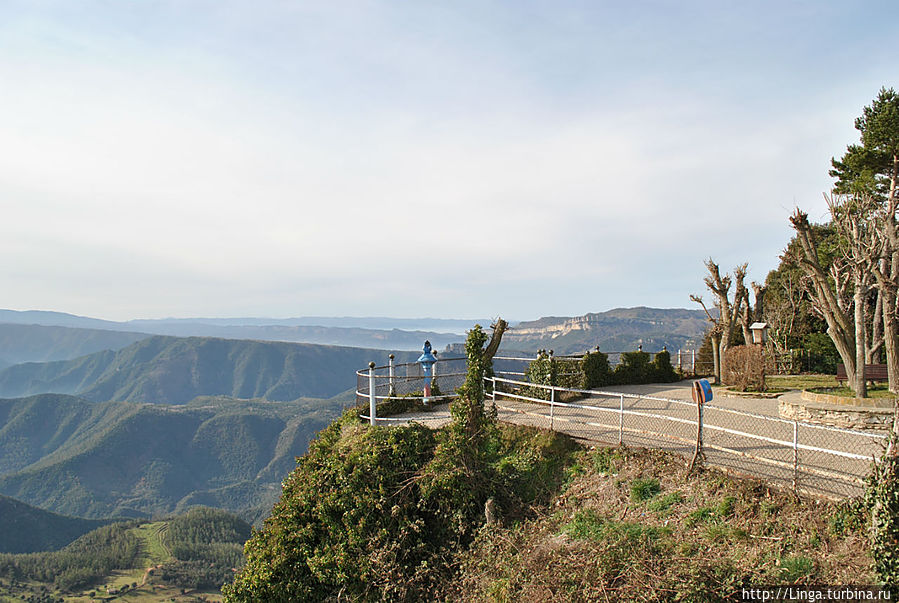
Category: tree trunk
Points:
column 875, row 343
column 860, row 385
column 722, row 361
column 716, row 359
column 891, row 337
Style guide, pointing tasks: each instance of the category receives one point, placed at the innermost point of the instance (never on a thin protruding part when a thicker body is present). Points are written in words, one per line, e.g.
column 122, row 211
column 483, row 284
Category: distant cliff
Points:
column 616, row 330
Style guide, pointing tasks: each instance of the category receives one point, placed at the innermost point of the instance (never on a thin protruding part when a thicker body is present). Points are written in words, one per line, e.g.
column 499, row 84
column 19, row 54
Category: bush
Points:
column 664, row 372
column 822, row 355
column 547, row 370
column 596, row 369
column 745, row 368
column 882, row 497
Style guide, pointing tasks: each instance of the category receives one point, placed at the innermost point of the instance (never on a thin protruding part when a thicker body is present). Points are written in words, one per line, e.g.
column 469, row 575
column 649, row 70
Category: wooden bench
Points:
column 873, row 372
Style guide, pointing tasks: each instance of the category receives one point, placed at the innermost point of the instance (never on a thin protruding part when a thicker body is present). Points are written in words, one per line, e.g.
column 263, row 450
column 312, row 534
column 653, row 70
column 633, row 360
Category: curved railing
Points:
column 405, row 381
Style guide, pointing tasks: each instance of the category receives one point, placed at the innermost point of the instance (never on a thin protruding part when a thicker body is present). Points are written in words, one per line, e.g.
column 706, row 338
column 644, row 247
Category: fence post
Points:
column 552, row 407
column 796, row 457
column 621, row 419
column 552, row 369
column 372, row 403
column 693, row 361
column 680, row 362
column 697, row 453
column 392, row 389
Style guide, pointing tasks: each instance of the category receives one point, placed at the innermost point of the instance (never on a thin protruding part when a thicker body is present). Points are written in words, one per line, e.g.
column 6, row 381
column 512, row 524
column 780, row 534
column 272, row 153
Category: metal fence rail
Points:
column 815, row 459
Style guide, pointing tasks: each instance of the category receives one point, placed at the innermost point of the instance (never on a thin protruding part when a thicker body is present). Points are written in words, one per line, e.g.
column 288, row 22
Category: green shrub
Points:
column 882, row 497
column 547, row 370
column 634, row 367
column 596, row 369
column 663, row 371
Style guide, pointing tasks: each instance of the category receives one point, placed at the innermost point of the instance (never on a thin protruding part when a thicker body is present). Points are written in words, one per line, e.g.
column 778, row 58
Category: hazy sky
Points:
column 454, row 159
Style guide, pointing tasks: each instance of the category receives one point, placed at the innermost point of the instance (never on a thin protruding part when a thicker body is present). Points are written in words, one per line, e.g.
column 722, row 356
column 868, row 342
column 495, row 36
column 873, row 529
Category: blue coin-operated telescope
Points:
column 427, row 361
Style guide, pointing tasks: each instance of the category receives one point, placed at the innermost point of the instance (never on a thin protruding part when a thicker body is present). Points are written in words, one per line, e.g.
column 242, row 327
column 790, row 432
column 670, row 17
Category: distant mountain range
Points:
column 39, row 343
column 117, row 459
column 380, row 333
column 175, row 370
column 618, row 330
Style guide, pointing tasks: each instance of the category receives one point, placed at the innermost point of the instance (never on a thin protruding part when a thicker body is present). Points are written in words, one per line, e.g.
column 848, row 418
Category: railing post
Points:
column 621, row 419
column 693, row 361
column 552, row 406
column 680, row 362
column 796, row 456
column 552, row 369
column 392, row 373
column 372, row 402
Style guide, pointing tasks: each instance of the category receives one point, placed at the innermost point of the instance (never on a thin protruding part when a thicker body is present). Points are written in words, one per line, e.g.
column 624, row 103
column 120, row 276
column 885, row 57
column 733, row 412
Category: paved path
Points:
column 653, row 410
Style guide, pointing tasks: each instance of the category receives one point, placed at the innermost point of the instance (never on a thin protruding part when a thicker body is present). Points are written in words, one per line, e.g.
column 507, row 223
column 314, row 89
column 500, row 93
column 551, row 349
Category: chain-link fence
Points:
column 819, row 460
column 399, row 382
column 815, row 459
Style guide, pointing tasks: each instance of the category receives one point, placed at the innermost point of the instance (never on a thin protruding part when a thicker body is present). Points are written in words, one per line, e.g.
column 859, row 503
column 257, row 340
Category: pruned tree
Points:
column 872, row 169
column 840, row 294
column 730, row 313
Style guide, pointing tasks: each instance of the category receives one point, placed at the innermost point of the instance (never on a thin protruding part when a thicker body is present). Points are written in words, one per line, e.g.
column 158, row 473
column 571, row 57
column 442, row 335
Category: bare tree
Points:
column 730, row 313
column 840, row 295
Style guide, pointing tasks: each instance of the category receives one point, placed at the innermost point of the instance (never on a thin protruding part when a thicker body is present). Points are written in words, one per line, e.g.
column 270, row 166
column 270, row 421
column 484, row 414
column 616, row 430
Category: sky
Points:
column 458, row 159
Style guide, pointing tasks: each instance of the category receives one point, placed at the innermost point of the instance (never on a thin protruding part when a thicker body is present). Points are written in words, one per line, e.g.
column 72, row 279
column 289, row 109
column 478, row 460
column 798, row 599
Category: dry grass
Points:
column 702, row 537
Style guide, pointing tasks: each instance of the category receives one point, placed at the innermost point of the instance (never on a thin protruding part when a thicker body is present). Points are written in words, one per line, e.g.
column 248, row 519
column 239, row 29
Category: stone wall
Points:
column 848, row 417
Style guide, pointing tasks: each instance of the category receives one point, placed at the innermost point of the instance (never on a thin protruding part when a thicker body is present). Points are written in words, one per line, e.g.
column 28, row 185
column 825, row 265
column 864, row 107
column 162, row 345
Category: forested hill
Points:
column 38, row 343
column 176, row 370
column 120, row 459
column 27, row 529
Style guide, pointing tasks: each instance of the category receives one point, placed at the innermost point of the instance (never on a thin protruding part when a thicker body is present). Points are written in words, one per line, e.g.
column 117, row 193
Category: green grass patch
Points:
column 644, row 489
column 700, row 515
column 800, row 381
column 726, row 506
column 663, row 503
column 589, row 525
column 607, row 460
column 153, row 551
column 877, row 391
column 796, row 568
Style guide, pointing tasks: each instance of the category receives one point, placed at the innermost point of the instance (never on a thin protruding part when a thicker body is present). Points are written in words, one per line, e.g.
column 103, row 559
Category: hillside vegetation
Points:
column 122, row 459
column 373, row 514
column 483, row 511
column 196, row 551
column 26, row 529
column 174, row 370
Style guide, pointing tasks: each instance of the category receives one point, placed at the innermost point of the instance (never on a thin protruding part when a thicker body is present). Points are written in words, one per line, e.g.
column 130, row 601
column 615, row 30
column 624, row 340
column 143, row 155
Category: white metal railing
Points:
column 827, row 454
column 818, row 459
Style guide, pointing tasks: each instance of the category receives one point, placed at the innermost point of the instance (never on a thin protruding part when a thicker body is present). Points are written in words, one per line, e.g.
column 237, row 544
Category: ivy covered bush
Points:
column 882, row 497
column 593, row 371
column 375, row 513
column 597, row 371
column 547, row 370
